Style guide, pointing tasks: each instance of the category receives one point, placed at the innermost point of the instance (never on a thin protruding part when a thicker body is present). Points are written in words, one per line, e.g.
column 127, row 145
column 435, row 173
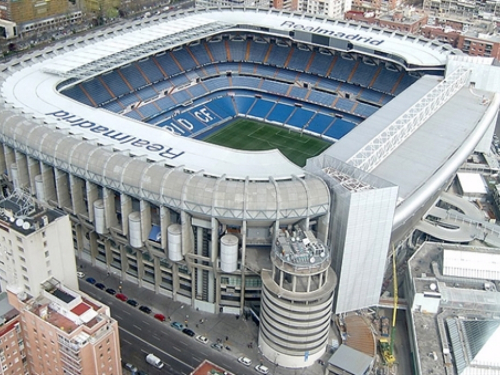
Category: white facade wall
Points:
column 328, row 8
column 363, row 225
column 27, row 261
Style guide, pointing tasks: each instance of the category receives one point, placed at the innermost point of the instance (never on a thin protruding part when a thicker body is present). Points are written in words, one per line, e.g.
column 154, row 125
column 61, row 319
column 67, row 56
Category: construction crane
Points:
column 387, row 346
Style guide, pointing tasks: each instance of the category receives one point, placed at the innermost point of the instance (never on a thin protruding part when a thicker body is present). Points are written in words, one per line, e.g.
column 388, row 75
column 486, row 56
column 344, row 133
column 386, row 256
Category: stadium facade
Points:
column 108, row 127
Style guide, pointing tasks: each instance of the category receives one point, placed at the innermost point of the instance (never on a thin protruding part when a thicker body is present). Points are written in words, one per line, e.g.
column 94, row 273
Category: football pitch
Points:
column 256, row 136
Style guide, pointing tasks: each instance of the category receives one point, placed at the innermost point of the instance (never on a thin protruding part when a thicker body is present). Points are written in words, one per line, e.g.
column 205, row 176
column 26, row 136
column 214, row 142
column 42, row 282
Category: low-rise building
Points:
column 67, row 332
column 453, row 309
column 13, row 359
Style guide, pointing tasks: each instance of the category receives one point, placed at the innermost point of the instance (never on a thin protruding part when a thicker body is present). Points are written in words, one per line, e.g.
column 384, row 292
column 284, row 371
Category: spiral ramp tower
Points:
column 297, row 298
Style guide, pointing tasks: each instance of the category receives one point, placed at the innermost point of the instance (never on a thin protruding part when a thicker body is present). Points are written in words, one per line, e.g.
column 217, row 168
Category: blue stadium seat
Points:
column 300, row 117
column 320, row 123
column 133, row 76
column 147, row 93
column 258, row 52
column 386, row 80
column 151, row 70
column 299, row 60
column 201, row 54
column 244, row 103
column 339, row 128
column 115, row 83
column 278, row 56
column 113, row 106
column 237, row 49
column 365, row 110
column 218, row 50
column 77, row 94
column 280, row 112
column 261, row 108
column 364, row 74
column 342, row 69
column 184, row 59
column 320, row 64
column 96, row 91
column 167, row 64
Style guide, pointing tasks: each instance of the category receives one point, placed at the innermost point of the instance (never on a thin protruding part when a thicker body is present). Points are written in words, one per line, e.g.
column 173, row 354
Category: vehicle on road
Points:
column 100, row 286
column 130, row 367
column 245, row 360
column 80, row 275
column 90, row 280
column 132, row 302
column 262, row 369
column 201, row 339
column 111, row 291
column 217, row 346
column 121, row 297
column 154, row 360
column 177, row 326
column 188, row 332
column 145, row 309
column 160, row 317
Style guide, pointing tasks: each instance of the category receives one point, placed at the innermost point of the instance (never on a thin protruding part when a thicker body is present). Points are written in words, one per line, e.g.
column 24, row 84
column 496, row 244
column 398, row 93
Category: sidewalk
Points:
column 238, row 331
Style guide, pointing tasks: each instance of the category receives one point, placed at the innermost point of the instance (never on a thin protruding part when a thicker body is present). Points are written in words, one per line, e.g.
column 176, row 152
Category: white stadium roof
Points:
column 421, row 164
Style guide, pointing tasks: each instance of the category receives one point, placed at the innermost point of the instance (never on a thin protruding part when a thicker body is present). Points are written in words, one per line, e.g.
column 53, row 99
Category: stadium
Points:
column 195, row 151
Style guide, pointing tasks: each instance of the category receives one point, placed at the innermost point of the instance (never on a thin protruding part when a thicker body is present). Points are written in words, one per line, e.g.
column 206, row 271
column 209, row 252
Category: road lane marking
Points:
column 139, row 328
column 176, row 348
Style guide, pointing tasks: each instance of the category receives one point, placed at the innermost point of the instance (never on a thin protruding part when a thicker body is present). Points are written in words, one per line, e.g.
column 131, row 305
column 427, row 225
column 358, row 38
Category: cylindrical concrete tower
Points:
column 175, row 242
column 297, row 298
column 229, row 253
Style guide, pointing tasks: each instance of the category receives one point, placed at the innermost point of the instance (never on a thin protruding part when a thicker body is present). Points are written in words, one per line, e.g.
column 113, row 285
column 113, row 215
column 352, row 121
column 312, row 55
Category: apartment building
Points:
column 35, row 244
column 67, row 332
column 13, row 359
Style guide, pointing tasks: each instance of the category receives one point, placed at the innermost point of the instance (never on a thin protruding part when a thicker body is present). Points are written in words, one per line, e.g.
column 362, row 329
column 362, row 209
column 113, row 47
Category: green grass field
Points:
column 255, row 136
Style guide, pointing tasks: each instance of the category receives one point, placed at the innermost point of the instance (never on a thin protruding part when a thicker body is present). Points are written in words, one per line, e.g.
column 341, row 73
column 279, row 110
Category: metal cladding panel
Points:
column 49, row 143
column 115, row 166
column 132, row 172
column 10, row 124
column 261, row 196
column 151, row 180
column 292, row 194
column 318, row 192
column 97, row 161
column 200, row 190
column 80, row 154
column 173, row 183
column 230, row 194
column 64, row 148
column 36, row 135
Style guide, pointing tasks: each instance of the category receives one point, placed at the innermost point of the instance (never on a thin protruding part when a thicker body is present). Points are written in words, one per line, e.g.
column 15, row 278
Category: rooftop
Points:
column 21, row 213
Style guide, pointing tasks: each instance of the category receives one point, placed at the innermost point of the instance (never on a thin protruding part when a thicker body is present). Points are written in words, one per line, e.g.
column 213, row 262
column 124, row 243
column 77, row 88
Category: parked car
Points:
column 177, row 326
column 262, row 369
column 132, row 302
column 130, row 367
column 145, row 309
column 245, row 360
column 160, row 317
column 188, row 332
column 80, row 275
column 111, row 291
column 90, row 280
column 217, row 346
column 201, row 339
column 100, row 286
column 121, row 297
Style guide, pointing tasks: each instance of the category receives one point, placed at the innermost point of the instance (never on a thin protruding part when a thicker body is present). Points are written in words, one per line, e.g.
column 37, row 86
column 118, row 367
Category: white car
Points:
column 201, row 339
column 245, row 360
column 80, row 275
column 262, row 369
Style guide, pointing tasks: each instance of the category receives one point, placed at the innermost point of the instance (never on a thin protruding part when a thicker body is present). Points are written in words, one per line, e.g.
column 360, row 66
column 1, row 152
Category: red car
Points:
column 121, row 297
column 160, row 317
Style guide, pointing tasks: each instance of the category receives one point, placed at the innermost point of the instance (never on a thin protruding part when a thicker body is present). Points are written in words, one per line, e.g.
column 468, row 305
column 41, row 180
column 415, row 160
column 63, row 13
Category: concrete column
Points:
column 9, row 158
column 145, row 219
column 164, row 224
column 49, row 188
column 22, row 169
column 126, row 209
column 93, row 247
column 62, row 189
column 140, row 267
column 109, row 254
column 33, row 171
column 108, row 197
column 3, row 166
column 92, row 195
column 79, row 240
column 243, row 255
column 323, row 225
column 157, row 273
column 76, row 192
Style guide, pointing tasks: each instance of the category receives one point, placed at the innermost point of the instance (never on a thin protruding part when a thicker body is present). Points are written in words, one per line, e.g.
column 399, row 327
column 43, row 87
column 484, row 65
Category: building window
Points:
column 46, row 254
column 43, row 234
column 20, row 249
column 19, row 239
column 22, row 259
column 44, row 243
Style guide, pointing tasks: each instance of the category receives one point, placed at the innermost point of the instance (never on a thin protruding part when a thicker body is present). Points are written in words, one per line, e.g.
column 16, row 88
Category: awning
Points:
column 155, row 234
